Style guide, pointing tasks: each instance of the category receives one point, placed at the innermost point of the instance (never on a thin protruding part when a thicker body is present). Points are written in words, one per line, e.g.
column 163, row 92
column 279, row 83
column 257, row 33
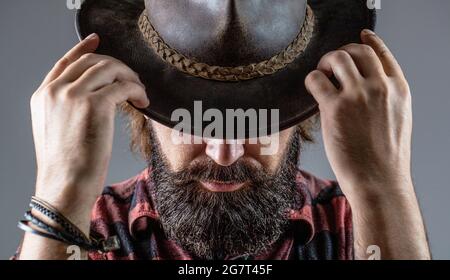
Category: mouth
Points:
column 220, row 186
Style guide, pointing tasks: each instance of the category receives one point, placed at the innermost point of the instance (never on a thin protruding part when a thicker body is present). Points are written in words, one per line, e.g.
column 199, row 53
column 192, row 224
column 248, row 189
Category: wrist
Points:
column 74, row 206
column 376, row 187
column 372, row 193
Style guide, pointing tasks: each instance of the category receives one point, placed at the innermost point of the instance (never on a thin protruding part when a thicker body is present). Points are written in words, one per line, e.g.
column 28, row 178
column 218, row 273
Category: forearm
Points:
column 390, row 220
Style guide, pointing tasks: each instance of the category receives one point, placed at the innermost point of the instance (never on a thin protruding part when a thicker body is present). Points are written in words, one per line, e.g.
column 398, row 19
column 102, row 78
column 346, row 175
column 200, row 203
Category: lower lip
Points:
column 222, row 187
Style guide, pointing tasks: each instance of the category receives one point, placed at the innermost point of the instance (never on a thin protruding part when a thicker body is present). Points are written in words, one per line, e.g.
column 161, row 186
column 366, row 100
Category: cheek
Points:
column 278, row 143
column 177, row 155
column 180, row 156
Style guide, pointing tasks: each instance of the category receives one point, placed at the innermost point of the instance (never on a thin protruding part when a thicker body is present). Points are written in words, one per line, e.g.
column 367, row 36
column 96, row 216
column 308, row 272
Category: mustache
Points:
column 207, row 170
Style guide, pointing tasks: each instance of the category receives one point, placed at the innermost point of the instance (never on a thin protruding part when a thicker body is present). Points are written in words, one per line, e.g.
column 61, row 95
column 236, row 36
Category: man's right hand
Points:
column 73, row 115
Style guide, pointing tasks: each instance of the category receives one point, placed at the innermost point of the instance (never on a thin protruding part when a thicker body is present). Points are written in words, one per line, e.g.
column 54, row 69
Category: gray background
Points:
column 34, row 34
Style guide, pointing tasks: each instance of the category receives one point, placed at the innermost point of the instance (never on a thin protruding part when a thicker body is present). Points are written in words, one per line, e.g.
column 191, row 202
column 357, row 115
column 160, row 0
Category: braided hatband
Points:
column 228, row 74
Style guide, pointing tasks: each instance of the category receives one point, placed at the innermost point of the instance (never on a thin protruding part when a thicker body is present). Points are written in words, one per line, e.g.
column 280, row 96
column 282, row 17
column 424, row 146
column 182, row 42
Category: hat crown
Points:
column 227, row 32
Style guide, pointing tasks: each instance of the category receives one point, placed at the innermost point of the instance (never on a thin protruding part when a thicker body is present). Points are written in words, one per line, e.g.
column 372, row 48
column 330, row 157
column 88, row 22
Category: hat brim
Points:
column 338, row 22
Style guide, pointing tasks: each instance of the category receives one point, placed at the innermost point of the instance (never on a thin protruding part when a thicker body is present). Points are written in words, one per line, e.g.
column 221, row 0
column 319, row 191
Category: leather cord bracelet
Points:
column 65, row 231
column 59, row 235
column 50, row 212
column 23, row 225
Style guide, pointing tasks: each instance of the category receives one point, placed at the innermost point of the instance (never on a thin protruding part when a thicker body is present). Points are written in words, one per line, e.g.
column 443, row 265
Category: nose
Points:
column 223, row 152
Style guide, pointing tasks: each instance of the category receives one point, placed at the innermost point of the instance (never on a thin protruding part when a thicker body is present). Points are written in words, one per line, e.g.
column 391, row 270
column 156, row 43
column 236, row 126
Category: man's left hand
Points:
column 367, row 120
column 367, row 127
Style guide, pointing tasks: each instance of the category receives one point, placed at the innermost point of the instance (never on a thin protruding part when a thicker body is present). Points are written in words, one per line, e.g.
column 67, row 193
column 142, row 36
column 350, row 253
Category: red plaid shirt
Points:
column 320, row 229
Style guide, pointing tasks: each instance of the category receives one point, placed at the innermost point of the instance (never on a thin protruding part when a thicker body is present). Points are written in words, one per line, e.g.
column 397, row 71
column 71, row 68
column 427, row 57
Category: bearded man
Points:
column 219, row 198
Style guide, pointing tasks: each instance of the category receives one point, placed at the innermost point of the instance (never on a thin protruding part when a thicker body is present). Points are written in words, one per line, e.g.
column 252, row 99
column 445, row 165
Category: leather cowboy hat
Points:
column 228, row 54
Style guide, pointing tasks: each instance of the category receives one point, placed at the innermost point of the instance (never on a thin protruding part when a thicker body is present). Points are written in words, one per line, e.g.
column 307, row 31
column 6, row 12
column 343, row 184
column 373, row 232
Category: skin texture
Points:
column 366, row 126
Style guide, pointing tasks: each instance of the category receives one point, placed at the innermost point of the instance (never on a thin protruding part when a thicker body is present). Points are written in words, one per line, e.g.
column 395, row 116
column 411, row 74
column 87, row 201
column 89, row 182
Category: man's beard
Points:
column 212, row 225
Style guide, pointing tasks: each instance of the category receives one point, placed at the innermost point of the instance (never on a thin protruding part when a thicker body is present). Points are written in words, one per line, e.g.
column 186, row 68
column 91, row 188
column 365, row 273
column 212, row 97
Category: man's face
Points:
column 179, row 156
column 218, row 198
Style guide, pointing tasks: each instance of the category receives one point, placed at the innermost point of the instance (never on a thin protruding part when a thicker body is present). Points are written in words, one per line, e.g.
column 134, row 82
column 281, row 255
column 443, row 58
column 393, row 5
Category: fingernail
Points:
column 90, row 37
column 368, row 32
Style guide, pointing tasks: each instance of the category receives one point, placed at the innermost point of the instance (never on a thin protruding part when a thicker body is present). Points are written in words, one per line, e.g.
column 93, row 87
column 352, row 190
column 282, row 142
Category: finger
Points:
column 390, row 64
column 365, row 59
column 121, row 91
column 341, row 65
column 104, row 73
column 84, row 63
column 320, row 86
column 88, row 45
